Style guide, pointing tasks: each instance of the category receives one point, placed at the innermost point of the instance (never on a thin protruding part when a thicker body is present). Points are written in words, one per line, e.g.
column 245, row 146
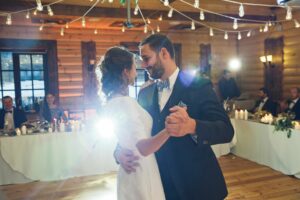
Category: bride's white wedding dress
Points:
column 131, row 124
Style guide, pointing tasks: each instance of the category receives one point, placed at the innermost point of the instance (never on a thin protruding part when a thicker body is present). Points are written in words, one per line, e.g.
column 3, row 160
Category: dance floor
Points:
column 245, row 180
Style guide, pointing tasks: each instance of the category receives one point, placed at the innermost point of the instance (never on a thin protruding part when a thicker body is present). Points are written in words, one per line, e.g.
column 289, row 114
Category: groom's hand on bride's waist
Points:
column 126, row 159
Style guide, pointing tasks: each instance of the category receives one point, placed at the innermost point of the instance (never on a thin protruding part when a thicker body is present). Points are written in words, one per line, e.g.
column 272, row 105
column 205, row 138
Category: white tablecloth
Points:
column 54, row 156
column 57, row 156
column 259, row 143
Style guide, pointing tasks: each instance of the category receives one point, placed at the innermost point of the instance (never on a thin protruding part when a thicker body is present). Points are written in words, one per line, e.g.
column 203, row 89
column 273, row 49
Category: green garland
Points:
column 284, row 123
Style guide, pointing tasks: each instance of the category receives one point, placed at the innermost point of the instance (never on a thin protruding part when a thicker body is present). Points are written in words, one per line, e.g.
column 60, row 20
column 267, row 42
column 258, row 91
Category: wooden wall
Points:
column 251, row 77
column 70, row 62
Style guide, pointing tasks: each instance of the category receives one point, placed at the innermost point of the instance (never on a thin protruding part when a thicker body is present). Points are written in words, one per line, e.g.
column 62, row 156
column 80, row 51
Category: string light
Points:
column 193, row 25
column 8, row 19
column 123, row 29
column 50, row 12
column 95, row 31
column 241, row 10
column 269, row 23
column 170, row 14
column 145, row 29
column 266, row 29
column 196, row 4
column 39, row 5
column 83, row 22
column 289, row 15
column 136, row 10
column 157, row 29
column 297, row 25
column 211, row 32
column 27, row 15
column 110, row 1
column 260, row 29
column 67, row 25
column 235, row 24
column 148, row 21
column 41, row 27
column 249, row 34
column 160, row 18
column 239, row 36
column 202, row 17
column 62, row 33
column 35, row 12
column 226, row 35
column 166, row 3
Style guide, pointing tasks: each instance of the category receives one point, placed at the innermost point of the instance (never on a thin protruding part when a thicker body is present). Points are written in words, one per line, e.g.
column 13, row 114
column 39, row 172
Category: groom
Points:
column 188, row 167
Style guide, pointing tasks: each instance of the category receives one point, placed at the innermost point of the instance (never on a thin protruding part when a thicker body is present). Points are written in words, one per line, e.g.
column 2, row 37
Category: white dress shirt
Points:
column 262, row 103
column 164, row 95
column 292, row 104
column 9, row 121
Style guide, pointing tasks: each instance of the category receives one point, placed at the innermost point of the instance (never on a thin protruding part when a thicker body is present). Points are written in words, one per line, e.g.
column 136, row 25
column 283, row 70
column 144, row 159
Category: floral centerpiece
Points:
column 285, row 123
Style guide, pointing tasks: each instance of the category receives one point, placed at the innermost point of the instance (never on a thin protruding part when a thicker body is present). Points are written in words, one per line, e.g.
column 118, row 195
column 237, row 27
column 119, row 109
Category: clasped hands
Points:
column 179, row 123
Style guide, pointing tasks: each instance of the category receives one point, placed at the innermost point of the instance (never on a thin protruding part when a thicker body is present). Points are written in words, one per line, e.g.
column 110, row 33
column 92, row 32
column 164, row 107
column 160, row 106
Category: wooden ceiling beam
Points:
column 100, row 12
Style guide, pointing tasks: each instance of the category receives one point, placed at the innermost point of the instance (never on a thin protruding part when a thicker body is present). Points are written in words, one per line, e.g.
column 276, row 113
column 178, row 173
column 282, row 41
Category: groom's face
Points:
column 152, row 62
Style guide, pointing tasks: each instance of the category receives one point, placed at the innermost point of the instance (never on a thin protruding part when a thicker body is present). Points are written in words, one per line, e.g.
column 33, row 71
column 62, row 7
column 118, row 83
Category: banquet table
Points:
column 58, row 156
column 259, row 143
column 54, row 156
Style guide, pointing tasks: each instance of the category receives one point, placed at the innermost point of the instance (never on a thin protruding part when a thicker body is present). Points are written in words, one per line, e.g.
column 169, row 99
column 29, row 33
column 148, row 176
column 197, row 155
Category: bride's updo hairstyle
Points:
column 116, row 59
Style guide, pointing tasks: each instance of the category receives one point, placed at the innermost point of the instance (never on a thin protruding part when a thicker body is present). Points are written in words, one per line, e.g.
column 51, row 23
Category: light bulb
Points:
column 50, row 12
column 260, row 29
column 27, row 15
column 62, row 33
column 196, row 4
column 193, row 25
column 145, row 29
column 148, row 21
column 235, row 24
column 123, row 29
column 8, row 19
column 95, row 31
column 211, row 32
column 35, row 12
column 241, row 11
column 160, row 18
column 39, row 5
column 202, row 17
column 226, row 36
column 83, row 22
column 266, row 28
column 249, row 34
column 239, row 36
column 166, row 2
column 157, row 29
column 41, row 27
column 136, row 10
column 289, row 15
column 110, row 1
column 67, row 25
column 170, row 14
column 297, row 25
column 270, row 23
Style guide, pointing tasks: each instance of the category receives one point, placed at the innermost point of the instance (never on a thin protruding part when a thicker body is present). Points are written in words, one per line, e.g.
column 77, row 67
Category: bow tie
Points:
column 163, row 84
column 8, row 111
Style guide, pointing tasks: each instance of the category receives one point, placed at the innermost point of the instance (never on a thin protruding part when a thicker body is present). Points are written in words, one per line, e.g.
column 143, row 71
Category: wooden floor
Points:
column 245, row 180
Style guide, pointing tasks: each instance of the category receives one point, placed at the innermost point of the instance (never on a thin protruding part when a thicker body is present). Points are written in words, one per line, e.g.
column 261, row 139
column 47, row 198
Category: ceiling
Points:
column 107, row 15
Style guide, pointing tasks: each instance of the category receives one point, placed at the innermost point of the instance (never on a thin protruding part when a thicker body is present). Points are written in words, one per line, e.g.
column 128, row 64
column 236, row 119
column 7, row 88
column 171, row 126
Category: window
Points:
column 139, row 81
column 22, row 78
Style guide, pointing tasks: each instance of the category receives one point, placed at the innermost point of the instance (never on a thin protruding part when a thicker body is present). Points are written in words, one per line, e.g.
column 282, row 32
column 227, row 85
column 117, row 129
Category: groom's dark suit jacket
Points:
column 189, row 170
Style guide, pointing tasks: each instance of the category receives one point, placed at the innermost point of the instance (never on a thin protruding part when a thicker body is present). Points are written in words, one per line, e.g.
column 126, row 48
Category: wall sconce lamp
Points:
column 267, row 60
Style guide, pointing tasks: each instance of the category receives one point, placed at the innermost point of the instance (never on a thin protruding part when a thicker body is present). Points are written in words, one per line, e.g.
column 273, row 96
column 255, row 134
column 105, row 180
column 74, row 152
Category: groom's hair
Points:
column 116, row 59
column 159, row 41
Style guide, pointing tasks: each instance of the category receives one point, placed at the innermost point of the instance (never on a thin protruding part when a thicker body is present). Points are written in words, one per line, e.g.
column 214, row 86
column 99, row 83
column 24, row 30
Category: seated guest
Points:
column 265, row 103
column 11, row 117
column 50, row 110
column 294, row 104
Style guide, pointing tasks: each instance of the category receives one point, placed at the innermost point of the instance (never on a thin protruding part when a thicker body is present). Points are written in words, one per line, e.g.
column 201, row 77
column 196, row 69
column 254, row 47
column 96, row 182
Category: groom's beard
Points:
column 156, row 71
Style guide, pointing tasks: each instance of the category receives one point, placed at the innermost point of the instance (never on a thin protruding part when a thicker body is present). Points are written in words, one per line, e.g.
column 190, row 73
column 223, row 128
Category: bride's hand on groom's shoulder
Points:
column 127, row 159
column 179, row 123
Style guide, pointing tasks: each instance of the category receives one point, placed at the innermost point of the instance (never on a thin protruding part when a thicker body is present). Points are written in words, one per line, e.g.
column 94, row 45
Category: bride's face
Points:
column 131, row 74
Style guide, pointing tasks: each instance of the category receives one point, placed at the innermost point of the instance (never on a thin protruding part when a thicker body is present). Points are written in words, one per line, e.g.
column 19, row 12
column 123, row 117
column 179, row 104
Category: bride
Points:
column 132, row 127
